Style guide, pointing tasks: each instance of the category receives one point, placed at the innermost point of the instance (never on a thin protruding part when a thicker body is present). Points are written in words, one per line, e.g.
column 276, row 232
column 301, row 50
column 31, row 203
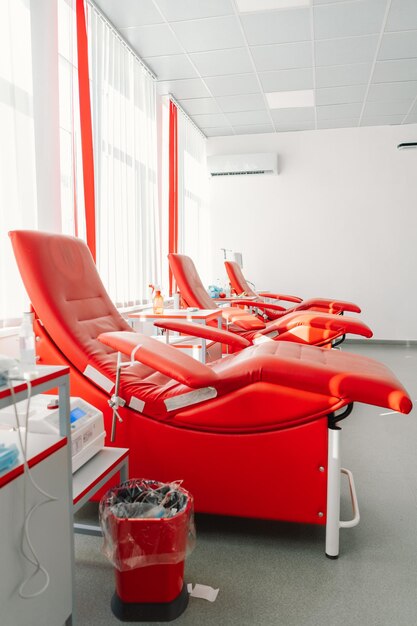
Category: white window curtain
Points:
column 123, row 98
column 17, row 152
column 193, row 215
column 72, row 191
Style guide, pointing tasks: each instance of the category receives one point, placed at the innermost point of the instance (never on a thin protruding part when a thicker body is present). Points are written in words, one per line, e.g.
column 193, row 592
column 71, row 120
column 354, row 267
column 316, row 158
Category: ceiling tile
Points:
column 340, row 95
column 294, row 126
column 392, row 91
column 248, row 117
column 339, row 111
column 287, row 80
column 411, row 119
column 382, row 120
column 338, row 123
column 171, row 67
column 218, row 132
column 398, row 46
column 318, row 2
column 346, row 51
column 209, row 34
column 183, row 89
column 339, row 75
column 175, row 10
column 412, row 114
column 395, row 107
column 277, row 27
column 233, row 85
column 282, row 56
column 244, row 6
column 211, row 120
column 150, row 41
column 249, row 102
column 128, row 13
column 196, row 106
column 253, row 129
column 220, row 62
column 402, row 15
column 349, row 19
column 284, row 116
column 391, row 71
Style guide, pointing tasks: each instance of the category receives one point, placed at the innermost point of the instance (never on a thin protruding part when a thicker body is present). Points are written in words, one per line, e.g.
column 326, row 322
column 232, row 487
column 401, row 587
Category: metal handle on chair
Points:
column 355, row 507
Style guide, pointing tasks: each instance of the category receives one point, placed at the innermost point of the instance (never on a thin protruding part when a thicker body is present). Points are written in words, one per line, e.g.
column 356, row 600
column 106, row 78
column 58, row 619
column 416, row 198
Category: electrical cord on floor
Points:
column 31, row 558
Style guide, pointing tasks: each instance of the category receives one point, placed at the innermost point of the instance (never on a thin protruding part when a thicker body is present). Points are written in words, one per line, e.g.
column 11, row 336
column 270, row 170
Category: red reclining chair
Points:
column 267, row 415
column 240, row 286
column 307, row 327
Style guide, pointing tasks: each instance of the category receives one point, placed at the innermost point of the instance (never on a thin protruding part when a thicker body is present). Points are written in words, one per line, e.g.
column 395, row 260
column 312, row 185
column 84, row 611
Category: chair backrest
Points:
column 237, row 280
column 189, row 282
column 67, row 295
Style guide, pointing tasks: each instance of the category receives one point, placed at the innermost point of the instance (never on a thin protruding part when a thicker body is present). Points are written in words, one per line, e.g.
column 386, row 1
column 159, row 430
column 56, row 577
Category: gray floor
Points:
column 275, row 573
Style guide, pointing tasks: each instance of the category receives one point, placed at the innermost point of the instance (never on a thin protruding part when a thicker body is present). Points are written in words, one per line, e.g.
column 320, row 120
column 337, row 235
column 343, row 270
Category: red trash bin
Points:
column 148, row 552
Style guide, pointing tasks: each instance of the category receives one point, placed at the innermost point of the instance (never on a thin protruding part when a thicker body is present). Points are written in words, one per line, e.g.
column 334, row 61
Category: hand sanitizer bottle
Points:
column 158, row 302
column 27, row 344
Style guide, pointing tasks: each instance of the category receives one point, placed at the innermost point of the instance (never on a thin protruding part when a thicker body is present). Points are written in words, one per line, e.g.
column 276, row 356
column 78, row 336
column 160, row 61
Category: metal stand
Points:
column 334, row 471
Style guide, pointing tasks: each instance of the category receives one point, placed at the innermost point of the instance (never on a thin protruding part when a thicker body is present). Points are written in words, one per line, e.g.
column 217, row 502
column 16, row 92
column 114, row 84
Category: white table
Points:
column 194, row 346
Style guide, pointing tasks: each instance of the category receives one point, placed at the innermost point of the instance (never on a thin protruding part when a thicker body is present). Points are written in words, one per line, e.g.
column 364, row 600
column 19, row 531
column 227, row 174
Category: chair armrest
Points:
column 258, row 304
column 204, row 332
column 327, row 321
column 161, row 357
column 235, row 299
column 280, row 296
column 328, row 305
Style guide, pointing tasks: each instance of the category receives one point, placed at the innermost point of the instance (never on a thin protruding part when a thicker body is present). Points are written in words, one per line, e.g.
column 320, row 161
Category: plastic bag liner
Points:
column 146, row 522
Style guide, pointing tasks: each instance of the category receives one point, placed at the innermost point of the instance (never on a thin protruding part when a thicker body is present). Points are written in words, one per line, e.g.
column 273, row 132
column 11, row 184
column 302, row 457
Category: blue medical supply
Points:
column 8, row 456
column 214, row 291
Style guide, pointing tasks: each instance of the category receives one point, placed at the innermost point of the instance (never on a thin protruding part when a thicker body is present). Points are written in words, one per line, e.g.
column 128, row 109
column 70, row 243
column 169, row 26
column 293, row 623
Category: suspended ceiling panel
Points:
column 221, row 59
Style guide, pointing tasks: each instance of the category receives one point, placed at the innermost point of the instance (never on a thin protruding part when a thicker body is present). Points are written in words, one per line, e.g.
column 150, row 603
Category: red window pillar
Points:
column 86, row 128
column 173, row 188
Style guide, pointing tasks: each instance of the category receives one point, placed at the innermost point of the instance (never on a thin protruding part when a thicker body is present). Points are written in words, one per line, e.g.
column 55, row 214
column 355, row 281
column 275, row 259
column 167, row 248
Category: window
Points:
column 123, row 100
column 193, row 216
column 18, row 205
column 72, row 195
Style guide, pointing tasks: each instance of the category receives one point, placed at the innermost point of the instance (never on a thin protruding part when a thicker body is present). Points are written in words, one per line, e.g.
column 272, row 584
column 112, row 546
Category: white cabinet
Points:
column 50, row 527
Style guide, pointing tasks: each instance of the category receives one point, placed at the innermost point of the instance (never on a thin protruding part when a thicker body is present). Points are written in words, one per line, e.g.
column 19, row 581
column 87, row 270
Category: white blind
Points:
column 17, row 152
column 193, row 216
column 72, row 191
column 123, row 98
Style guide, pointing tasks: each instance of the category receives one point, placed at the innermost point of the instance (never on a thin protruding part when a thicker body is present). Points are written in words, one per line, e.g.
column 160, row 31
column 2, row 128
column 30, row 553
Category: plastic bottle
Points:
column 158, row 302
column 27, row 344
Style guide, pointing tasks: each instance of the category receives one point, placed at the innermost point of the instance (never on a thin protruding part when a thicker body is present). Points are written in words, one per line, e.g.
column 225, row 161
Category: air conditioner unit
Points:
column 243, row 164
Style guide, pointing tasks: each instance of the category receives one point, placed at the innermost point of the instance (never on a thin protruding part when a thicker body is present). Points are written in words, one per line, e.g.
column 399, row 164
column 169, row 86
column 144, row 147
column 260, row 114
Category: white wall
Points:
column 340, row 220
column 9, row 342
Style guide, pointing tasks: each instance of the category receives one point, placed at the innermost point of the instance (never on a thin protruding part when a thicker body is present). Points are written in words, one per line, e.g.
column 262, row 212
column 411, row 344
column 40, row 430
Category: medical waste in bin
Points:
column 148, row 529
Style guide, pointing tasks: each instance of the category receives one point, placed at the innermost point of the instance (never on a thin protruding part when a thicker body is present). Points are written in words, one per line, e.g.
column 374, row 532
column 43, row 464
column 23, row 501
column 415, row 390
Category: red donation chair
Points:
column 306, row 327
column 239, row 285
column 268, row 414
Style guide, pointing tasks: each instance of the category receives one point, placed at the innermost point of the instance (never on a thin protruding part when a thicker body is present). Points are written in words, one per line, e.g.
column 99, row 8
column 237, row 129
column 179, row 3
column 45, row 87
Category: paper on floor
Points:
column 202, row 591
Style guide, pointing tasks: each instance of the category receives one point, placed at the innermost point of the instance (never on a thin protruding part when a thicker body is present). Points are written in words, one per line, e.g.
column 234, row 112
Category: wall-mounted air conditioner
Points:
column 243, row 164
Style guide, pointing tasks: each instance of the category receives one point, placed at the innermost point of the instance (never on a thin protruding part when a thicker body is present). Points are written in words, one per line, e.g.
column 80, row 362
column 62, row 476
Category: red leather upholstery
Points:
column 319, row 330
column 240, row 285
column 227, row 429
column 305, row 382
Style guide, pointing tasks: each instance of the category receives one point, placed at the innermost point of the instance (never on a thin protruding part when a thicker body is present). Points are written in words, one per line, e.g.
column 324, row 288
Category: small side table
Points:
column 194, row 346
